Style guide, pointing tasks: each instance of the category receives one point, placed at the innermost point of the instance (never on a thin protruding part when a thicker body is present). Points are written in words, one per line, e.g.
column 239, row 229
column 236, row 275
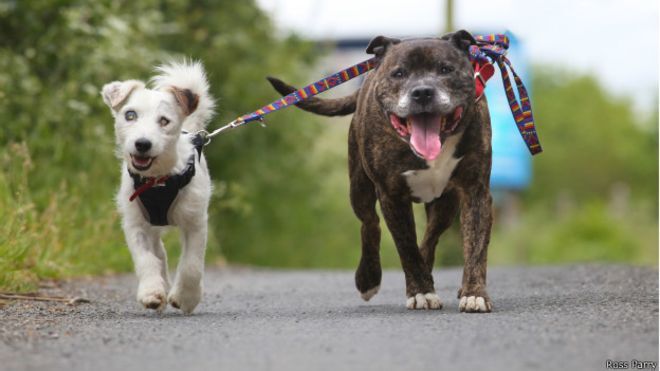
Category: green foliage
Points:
column 56, row 140
column 281, row 193
column 587, row 233
column 597, row 149
column 592, row 140
column 65, row 236
column 55, row 56
column 590, row 234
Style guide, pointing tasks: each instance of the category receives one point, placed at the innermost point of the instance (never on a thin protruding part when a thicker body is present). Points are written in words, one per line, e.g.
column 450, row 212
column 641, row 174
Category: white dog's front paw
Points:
column 185, row 298
column 430, row 300
column 152, row 296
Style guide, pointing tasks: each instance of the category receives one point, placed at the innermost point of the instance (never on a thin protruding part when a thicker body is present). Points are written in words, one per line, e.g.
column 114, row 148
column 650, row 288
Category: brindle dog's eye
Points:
column 398, row 73
column 163, row 121
column 130, row 115
column 445, row 70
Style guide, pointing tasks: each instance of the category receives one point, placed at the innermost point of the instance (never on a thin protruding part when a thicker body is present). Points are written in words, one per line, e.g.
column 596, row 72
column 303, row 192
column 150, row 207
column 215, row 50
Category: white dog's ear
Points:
column 117, row 92
column 186, row 99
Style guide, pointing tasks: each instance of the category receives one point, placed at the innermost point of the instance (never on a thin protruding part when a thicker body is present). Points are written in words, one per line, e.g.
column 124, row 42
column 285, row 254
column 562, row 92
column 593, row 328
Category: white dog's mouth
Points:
column 141, row 162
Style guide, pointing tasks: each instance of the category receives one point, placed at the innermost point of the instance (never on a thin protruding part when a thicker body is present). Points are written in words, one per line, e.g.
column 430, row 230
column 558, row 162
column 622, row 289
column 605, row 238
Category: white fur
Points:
column 474, row 304
column 430, row 300
column 187, row 76
column 171, row 151
column 428, row 184
column 370, row 293
column 444, row 98
column 402, row 107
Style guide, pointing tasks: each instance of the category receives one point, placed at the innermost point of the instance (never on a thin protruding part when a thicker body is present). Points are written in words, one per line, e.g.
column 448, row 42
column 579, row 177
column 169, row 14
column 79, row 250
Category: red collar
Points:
column 150, row 182
column 482, row 72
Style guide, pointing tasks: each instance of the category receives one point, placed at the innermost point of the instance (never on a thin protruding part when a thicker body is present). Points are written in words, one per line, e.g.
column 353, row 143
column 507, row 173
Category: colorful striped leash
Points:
column 489, row 48
column 298, row 95
column 493, row 47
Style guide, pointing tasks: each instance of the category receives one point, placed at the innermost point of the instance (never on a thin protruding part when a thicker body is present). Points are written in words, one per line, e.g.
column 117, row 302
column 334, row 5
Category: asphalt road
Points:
column 548, row 318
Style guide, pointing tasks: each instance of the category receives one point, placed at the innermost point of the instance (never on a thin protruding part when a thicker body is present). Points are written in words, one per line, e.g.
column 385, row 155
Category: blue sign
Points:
column 511, row 158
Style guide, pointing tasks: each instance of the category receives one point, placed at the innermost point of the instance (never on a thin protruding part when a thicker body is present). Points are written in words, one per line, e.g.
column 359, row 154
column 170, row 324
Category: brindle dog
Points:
column 418, row 136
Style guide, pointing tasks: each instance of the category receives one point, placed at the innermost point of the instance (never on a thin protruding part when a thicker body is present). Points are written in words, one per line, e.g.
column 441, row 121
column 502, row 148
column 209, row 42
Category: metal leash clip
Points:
column 206, row 136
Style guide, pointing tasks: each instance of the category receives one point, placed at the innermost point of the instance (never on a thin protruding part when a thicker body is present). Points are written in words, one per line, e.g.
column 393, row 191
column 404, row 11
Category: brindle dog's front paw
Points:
column 430, row 300
column 474, row 301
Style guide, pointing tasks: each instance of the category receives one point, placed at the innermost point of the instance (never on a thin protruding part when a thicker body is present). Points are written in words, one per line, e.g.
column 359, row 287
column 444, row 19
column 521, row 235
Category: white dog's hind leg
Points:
column 187, row 289
column 150, row 262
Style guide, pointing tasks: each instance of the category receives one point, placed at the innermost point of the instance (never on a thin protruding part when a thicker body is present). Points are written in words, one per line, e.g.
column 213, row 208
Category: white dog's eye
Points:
column 163, row 121
column 130, row 115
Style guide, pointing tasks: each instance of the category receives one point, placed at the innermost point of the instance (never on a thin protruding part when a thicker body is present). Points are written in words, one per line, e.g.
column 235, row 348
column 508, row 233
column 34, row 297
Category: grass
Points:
column 586, row 233
column 60, row 238
column 75, row 231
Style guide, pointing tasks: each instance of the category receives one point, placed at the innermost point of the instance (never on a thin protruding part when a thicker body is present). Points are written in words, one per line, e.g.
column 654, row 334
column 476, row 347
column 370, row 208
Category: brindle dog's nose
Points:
column 143, row 145
column 422, row 94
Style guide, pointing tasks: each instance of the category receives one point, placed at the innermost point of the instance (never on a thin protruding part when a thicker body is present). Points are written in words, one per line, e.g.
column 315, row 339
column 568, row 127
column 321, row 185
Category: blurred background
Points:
column 281, row 193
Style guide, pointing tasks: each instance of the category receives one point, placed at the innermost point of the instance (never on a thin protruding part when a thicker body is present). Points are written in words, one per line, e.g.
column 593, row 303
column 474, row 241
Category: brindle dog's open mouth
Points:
column 141, row 163
column 422, row 131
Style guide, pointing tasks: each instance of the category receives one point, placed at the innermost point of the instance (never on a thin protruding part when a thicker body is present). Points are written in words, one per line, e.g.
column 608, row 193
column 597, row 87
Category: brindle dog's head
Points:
column 424, row 86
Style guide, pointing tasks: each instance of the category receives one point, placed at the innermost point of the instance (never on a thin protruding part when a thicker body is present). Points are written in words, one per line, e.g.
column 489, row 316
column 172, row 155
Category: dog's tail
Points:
column 187, row 81
column 326, row 107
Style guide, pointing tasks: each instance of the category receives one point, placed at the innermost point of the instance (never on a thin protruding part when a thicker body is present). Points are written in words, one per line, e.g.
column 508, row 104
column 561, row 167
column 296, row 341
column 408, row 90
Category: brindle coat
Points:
column 378, row 158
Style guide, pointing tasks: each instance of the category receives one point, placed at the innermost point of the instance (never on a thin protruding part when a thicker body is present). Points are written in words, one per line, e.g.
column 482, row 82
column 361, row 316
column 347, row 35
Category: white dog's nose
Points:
column 143, row 145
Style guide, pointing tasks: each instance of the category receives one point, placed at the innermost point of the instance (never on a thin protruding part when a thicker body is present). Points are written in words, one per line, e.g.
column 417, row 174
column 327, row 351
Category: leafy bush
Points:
column 56, row 55
column 281, row 193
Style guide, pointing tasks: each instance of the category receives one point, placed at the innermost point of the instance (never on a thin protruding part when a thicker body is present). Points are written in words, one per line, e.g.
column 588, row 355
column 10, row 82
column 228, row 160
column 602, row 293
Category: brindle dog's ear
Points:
column 187, row 100
column 461, row 40
column 379, row 44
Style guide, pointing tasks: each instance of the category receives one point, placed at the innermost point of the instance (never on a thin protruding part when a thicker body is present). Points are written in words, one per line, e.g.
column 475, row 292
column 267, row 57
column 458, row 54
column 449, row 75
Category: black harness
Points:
column 157, row 200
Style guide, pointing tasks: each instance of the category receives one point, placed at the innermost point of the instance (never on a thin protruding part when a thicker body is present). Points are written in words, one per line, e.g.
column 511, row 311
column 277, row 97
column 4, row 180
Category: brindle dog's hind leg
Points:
column 363, row 200
column 440, row 214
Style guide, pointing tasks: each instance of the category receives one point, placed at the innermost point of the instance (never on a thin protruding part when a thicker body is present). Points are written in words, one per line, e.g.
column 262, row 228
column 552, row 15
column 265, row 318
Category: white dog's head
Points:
column 148, row 122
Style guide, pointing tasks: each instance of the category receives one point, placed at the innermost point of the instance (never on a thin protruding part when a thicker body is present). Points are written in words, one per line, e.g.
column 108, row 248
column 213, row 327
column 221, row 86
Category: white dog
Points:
column 165, row 180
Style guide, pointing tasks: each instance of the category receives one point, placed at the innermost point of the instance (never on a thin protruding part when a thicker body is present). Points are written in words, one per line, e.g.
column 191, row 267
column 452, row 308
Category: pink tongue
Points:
column 141, row 160
column 425, row 136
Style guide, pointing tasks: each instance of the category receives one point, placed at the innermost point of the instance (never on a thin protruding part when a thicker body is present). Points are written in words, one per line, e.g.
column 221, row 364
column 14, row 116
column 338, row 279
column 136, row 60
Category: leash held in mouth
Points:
column 490, row 48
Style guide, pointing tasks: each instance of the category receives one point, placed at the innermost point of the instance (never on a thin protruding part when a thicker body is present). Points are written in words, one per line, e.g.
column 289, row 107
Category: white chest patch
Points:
column 428, row 184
